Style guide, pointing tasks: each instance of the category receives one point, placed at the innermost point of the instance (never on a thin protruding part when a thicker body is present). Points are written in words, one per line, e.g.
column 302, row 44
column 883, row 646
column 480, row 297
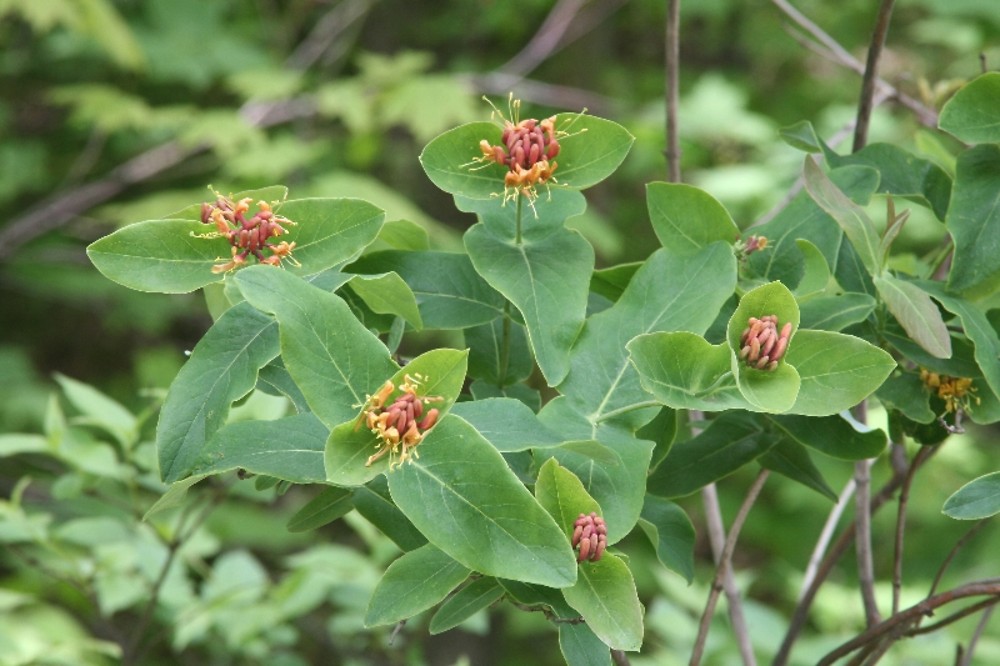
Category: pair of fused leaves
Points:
column 821, row 374
column 602, row 592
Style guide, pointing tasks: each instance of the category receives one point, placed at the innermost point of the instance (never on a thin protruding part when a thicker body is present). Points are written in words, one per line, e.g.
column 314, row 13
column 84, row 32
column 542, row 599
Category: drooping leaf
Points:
column 852, row 219
column 289, row 448
column 547, row 280
column 838, row 436
column 474, row 597
column 440, row 374
column 974, row 223
column 508, row 424
column 465, row 499
column 671, row 292
column 791, row 459
column 333, row 358
column 329, row 505
column 581, row 647
column 414, row 582
column 730, row 441
column 971, row 114
column 670, row 531
column 605, row 596
column 836, row 371
column 916, row 313
column 449, row 292
column 979, row 498
column 687, row 217
column 374, row 503
column 222, row 369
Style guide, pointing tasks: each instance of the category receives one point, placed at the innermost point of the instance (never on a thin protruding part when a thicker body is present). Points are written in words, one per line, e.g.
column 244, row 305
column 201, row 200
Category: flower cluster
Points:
column 398, row 426
column 248, row 235
column 590, row 537
column 528, row 149
column 957, row 392
column 761, row 346
column 752, row 244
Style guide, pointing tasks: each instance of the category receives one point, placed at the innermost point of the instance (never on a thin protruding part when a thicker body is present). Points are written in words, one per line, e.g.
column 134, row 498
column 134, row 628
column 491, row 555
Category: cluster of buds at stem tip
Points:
column 527, row 149
column 248, row 234
column 957, row 392
column 761, row 345
column 590, row 537
column 752, row 244
column 401, row 424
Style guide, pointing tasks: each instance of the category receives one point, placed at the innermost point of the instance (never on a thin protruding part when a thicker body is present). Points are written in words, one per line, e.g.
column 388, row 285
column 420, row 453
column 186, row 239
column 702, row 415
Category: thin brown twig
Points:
column 974, row 639
column 985, row 604
column 863, row 540
column 620, row 658
column 672, row 66
column 897, row 556
column 988, row 587
column 546, row 39
column 952, row 553
column 870, row 76
column 724, row 570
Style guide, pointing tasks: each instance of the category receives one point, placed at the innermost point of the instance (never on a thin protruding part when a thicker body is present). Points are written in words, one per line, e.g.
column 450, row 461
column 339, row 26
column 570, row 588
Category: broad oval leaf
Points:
column 979, row 498
column 606, row 597
column 684, row 216
column 563, row 495
column 465, row 499
column 329, row 232
column 837, row 371
column 972, row 113
column 414, row 582
column 973, row 221
column 222, row 369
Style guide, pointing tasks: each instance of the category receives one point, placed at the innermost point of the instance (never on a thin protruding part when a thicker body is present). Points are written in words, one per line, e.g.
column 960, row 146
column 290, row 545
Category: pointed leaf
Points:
column 974, row 222
column 547, row 280
column 838, row 436
column 329, row 505
column 562, row 494
column 730, row 441
column 792, row 460
column 971, row 114
column 670, row 531
column 374, row 503
column 100, row 410
column 289, row 448
column 606, row 597
column 465, row 499
column 802, row 136
column 917, row 314
column 222, row 369
column 979, row 498
column 851, row 217
column 333, row 358
column 837, row 371
column 474, row 597
column 686, row 217
column 581, row 647
column 413, row 583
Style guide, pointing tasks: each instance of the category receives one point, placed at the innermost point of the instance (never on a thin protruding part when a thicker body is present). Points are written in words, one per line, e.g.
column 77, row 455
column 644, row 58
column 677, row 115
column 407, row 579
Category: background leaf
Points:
column 979, row 498
column 971, row 114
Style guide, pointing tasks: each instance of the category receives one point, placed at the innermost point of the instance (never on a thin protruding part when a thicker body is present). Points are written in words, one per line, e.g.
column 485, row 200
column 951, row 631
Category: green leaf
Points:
column 547, row 279
column 374, row 503
column 916, row 313
column 611, row 282
column 971, row 114
column 329, row 505
column 802, row 136
column 160, row 256
column 99, row 410
column 413, row 583
column 906, row 393
column 686, row 217
column 774, row 390
column 593, row 150
column 837, row 371
column 730, row 441
column 974, row 223
column 441, row 373
column 606, row 597
column 402, row 235
column 581, row 647
column 474, row 597
column 487, row 353
column 792, row 460
column 683, row 371
column 333, row 358
column 450, row 161
column 837, row 436
column 816, row 272
column 329, row 232
column 465, row 499
column 538, row 220
column 539, row 597
column 388, row 294
column 508, row 424
column 671, row 292
column 289, row 448
column 851, row 217
column 979, row 498
column 562, row 494
column 222, row 369
column 670, row 531
column 449, row 292
column 835, row 313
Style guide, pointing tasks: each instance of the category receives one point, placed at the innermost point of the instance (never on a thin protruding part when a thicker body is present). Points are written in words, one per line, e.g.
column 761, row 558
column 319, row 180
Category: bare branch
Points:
column 897, row 557
column 825, row 535
column 673, row 149
column 870, row 76
column 863, row 540
column 980, row 628
column 546, row 40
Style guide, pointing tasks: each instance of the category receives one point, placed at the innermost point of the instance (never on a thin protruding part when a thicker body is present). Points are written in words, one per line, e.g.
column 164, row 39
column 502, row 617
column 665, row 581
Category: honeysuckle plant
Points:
column 500, row 483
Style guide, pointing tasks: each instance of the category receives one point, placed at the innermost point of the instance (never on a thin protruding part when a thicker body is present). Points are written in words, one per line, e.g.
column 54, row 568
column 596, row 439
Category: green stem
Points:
column 628, row 408
column 504, row 344
column 517, row 220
